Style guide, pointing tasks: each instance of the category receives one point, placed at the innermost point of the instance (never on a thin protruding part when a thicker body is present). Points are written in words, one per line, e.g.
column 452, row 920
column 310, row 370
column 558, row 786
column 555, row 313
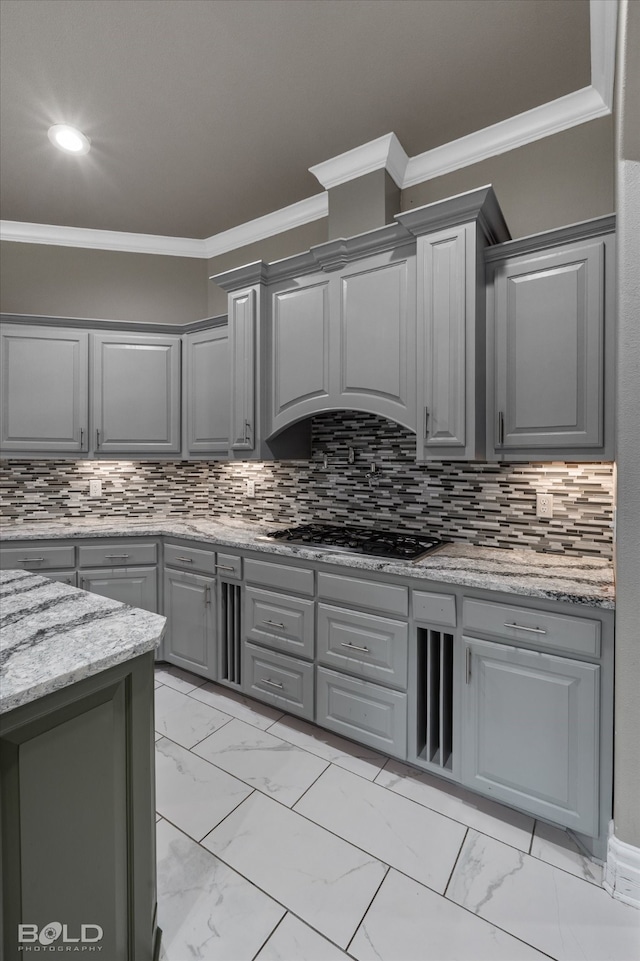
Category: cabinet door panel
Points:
column 531, row 732
column 44, row 389
column 189, row 606
column 134, row 586
column 242, row 338
column 208, row 391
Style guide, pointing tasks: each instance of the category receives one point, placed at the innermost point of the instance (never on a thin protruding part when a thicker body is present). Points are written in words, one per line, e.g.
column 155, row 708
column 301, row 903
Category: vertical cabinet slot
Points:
column 230, row 640
column 435, row 697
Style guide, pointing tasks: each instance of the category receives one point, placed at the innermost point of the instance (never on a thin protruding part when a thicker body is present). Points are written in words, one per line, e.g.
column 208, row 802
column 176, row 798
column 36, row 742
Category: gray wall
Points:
column 101, row 284
column 550, row 183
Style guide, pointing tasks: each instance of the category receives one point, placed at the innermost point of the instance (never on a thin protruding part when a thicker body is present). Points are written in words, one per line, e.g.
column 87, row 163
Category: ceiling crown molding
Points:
column 60, row 236
column 295, row 215
column 384, row 153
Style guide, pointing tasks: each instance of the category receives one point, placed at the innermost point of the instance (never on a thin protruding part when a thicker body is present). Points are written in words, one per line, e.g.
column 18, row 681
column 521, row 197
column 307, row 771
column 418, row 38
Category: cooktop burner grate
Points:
column 359, row 540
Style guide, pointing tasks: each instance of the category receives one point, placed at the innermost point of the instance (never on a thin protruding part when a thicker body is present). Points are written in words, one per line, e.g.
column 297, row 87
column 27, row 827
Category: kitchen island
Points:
column 76, row 759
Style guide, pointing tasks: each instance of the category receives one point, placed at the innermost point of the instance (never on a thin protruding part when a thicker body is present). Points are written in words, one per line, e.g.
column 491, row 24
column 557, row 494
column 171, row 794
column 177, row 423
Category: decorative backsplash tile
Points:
column 492, row 505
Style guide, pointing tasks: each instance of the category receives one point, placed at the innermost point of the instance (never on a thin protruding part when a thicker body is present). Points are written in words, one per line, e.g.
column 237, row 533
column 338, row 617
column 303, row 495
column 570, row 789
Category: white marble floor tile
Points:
column 205, row 909
column 411, row 838
column 325, row 881
column 353, row 757
column 244, row 708
column 559, row 914
column 293, row 940
column 407, row 921
column 261, row 760
column 178, row 679
column 157, row 736
column 483, row 814
column 191, row 793
column 184, row 719
column 554, row 846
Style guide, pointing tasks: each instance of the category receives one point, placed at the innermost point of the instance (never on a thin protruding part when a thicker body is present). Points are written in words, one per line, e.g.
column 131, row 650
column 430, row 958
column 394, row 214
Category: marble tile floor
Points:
column 277, row 841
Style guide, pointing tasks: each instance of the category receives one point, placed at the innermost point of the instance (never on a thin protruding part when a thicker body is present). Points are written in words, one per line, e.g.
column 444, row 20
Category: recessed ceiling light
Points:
column 69, row 139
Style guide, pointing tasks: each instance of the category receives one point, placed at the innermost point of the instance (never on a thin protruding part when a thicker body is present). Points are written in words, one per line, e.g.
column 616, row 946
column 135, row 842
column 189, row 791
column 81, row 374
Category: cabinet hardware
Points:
column 224, row 567
column 81, row 437
column 532, row 630
column 500, row 428
column 247, row 431
column 282, row 627
column 97, row 438
column 29, row 560
column 207, row 596
column 187, row 560
column 468, row 665
column 354, row 647
column 116, row 556
column 426, row 422
column 267, row 680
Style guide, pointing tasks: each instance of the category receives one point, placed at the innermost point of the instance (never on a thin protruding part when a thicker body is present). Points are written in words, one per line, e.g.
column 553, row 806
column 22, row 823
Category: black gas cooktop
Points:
column 359, row 540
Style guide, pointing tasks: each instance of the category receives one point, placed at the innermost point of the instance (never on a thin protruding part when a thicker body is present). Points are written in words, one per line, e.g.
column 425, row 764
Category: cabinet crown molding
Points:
column 480, row 205
column 585, row 230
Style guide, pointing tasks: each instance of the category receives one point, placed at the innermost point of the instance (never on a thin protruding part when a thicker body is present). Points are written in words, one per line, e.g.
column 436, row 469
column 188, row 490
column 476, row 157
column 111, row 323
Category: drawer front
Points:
column 280, row 621
column 538, row 628
column 37, row 558
column 371, row 647
column 362, row 711
column 434, row 608
column 280, row 576
column 280, row 680
column 189, row 559
column 117, row 555
column 229, row 566
column 358, row 593
column 64, row 577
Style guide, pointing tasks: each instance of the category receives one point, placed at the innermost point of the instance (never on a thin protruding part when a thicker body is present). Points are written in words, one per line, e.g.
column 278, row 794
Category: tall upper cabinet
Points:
column 206, row 391
column 551, row 306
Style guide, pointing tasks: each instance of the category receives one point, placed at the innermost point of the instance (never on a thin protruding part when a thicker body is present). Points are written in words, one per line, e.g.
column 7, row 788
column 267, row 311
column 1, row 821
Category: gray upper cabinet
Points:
column 207, row 391
column 243, row 320
column 136, row 394
column 551, row 378
column 44, row 389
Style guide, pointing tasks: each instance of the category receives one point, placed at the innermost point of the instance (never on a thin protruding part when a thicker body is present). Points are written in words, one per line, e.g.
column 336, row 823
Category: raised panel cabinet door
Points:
column 208, row 391
column 137, row 587
column 44, row 399
column 375, row 338
column 189, row 606
column 243, row 307
column 300, row 352
column 136, row 394
column 549, row 349
column 530, row 732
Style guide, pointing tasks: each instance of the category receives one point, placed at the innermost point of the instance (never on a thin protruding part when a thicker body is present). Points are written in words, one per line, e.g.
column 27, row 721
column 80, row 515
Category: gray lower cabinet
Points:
column 207, row 388
column 531, row 732
column 44, row 399
column 190, row 609
column 77, row 800
column 136, row 586
column 362, row 711
column 135, row 394
column 286, row 682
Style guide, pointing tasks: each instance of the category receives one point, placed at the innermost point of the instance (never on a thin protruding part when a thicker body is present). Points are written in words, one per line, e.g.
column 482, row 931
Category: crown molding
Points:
column 480, row 205
column 384, row 153
column 59, row 236
column 295, row 215
column 584, row 230
column 603, row 15
column 133, row 326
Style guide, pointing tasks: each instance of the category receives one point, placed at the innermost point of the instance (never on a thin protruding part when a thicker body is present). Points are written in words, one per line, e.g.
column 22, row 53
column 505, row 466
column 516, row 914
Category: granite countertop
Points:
column 52, row 635
column 558, row 577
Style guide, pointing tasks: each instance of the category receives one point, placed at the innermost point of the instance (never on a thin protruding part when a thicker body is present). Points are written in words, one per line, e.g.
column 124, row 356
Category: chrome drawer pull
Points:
column 354, row 647
column 468, row 666
column 282, row 627
column 29, row 560
column 116, row 556
column 207, row 596
column 187, row 560
column 532, row 630
column 267, row 680
column 224, row 567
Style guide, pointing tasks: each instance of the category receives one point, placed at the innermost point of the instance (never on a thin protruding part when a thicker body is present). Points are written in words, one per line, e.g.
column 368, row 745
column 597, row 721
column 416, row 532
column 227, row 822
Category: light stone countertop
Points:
column 559, row 577
column 53, row 635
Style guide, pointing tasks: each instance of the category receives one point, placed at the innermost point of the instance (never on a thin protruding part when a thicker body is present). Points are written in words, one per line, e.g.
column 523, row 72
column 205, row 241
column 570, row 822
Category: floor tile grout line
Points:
column 269, row 936
column 455, row 863
column 367, row 909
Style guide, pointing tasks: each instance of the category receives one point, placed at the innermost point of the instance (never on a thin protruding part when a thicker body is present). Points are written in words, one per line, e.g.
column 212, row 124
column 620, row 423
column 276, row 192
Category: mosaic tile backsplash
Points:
column 492, row 505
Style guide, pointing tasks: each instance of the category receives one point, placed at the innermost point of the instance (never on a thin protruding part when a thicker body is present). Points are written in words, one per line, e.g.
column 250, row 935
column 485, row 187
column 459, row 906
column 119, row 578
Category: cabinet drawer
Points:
column 189, row 559
column 37, row 558
column 228, row 565
column 279, row 621
column 359, row 593
column 64, row 577
column 434, row 608
column 363, row 644
column 280, row 576
column 539, row 628
column 117, row 555
column 280, row 680
column 362, row 711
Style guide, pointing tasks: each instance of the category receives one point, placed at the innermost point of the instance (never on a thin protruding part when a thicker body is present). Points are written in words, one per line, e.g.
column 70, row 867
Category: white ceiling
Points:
column 205, row 114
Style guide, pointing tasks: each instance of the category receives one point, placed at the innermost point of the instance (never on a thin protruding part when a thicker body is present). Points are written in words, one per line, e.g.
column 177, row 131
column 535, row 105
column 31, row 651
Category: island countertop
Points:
column 52, row 635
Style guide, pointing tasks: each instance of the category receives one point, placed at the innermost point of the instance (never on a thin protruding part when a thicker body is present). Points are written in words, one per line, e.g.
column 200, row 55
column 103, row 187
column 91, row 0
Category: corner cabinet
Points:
column 207, row 390
column 44, row 398
column 551, row 316
column 135, row 394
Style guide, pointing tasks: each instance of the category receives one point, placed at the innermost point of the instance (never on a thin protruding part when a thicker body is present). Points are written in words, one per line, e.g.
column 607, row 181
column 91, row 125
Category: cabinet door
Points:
column 530, row 734
column 373, row 348
column 549, row 350
column 136, row 394
column 134, row 586
column 299, row 324
column 207, row 390
column 44, row 389
column 189, row 606
column 243, row 307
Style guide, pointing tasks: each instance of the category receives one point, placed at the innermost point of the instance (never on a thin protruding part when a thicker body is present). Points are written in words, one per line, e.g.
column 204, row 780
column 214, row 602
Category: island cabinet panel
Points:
column 136, row 394
column 207, row 389
column 44, row 401
column 136, row 586
column 77, row 819
column 190, row 609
